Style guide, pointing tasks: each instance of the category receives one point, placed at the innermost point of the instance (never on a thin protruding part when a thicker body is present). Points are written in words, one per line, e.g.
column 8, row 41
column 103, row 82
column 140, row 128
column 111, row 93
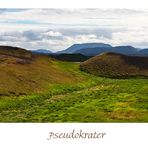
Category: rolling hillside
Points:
column 38, row 88
column 22, row 72
column 15, row 52
column 116, row 65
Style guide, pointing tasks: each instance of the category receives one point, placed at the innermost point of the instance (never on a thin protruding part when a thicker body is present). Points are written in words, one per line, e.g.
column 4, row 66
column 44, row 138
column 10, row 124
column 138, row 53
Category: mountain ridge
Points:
column 128, row 50
column 97, row 48
column 76, row 47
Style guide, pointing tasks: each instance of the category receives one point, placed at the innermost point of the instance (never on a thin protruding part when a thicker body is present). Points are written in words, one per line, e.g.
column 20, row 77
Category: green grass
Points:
column 86, row 99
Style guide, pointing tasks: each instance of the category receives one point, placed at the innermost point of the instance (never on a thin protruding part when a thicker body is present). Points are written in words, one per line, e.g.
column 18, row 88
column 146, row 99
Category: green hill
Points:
column 116, row 65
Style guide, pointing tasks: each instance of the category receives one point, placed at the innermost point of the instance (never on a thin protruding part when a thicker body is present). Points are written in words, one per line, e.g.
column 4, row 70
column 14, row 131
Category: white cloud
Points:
column 56, row 29
column 52, row 34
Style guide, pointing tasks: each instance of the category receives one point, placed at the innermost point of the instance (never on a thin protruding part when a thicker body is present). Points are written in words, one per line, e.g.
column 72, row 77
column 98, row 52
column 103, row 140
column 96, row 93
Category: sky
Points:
column 57, row 29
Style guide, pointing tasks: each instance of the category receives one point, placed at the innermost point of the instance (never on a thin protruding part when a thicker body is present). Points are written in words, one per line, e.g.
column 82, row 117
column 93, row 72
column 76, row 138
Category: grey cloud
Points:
column 2, row 10
column 11, row 36
column 140, row 44
column 32, row 35
column 12, row 10
column 38, row 38
column 99, row 32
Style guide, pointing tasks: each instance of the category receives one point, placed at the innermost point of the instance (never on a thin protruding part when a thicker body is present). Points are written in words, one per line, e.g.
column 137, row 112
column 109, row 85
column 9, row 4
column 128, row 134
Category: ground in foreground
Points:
column 92, row 99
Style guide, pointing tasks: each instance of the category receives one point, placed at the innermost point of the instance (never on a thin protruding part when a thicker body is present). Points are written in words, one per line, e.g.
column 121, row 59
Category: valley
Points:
column 39, row 88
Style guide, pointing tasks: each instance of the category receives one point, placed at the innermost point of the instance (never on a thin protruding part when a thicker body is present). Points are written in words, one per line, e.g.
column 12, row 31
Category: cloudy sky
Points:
column 57, row 29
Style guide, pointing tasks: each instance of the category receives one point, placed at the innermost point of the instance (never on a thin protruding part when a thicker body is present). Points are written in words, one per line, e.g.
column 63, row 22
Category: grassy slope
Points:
column 15, row 51
column 74, row 96
column 37, row 76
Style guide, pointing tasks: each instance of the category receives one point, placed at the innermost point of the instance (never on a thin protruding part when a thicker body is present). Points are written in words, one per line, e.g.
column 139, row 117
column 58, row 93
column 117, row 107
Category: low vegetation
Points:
column 48, row 90
column 95, row 100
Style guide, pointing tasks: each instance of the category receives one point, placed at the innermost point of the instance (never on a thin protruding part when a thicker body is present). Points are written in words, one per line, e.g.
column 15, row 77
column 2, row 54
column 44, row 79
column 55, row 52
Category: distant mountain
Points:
column 93, row 51
column 116, row 65
column 42, row 51
column 76, row 47
column 127, row 50
column 143, row 52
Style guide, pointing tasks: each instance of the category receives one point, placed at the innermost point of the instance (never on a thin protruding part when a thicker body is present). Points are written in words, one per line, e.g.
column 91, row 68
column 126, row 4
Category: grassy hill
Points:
column 24, row 73
column 43, row 89
column 15, row 51
column 116, row 65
